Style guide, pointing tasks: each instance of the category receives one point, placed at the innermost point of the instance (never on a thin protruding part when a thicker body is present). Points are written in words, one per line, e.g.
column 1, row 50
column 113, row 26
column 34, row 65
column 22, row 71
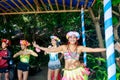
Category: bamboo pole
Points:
column 50, row 5
column 16, row 5
column 93, row 3
column 71, row 4
column 30, row 5
column 38, row 12
column 37, row 5
column 78, row 1
column 63, row 4
column 23, row 5
column 5, row 7
column 85, row 5
column 10, row 6
column 57, row 4
column 43, row 4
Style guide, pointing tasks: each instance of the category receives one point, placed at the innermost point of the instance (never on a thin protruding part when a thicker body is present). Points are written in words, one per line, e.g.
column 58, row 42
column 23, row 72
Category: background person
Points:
column 5, row 56
column 54, row 64
column 23, row 65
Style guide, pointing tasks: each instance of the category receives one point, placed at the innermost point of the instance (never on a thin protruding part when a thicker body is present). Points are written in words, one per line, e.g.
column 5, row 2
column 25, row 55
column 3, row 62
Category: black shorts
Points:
column 4, row 70
column 23, row 66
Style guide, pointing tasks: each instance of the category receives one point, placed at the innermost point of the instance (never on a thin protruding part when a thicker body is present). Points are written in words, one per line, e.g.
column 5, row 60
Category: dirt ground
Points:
column 42, row 75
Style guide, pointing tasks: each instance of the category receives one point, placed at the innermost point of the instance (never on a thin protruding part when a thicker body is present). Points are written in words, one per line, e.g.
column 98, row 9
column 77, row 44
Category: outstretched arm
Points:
column 45, row 53
column 33, row 53
column 17, row 54
column 88, row 49
column 58, row 49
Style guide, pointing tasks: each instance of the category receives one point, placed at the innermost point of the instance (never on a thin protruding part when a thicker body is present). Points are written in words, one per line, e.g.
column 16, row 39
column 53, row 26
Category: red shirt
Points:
column 3, row 62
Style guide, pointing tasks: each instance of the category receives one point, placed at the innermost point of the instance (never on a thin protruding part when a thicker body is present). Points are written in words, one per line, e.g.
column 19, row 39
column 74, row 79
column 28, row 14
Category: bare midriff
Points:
column 72, row 64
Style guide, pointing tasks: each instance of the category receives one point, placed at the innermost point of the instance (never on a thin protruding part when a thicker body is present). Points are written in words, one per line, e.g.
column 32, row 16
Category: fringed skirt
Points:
column 79, row 73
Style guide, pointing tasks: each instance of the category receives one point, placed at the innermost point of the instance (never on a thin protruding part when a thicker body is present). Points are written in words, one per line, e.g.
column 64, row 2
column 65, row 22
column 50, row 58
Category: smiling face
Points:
column 53, row 42
column 4, row 45
column 72, row 39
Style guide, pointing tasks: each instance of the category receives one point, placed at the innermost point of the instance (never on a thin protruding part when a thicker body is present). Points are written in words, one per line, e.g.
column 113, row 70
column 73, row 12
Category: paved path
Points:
column 42, row 75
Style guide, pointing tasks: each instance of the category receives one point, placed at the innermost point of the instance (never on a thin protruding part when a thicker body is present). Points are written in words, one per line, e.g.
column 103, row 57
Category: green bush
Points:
column 98, row 68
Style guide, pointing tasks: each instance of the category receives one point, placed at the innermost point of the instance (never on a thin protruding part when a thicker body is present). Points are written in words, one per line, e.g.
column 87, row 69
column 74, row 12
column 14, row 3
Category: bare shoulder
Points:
column 80, row 48
column 63, row 46
column 20, row 51
column 29, row 50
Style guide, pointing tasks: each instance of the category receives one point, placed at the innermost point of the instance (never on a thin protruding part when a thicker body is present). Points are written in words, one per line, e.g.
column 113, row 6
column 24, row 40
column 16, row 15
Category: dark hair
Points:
column 57, row 43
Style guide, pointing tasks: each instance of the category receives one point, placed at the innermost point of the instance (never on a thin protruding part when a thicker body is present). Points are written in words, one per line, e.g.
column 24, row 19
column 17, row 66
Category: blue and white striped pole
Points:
column 83, row 34
column 111, row 67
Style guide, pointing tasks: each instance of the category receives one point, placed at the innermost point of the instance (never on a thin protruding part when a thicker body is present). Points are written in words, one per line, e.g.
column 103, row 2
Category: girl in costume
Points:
column 4, row 58
column 73, row 70
column 54, row 62
column 23, row 65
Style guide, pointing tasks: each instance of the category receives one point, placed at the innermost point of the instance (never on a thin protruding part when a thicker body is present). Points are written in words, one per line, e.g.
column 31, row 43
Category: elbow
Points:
column 36, row 55
column 14, row 56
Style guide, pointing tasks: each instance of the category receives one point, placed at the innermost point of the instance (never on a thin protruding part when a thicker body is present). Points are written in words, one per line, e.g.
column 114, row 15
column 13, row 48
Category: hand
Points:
column 34, row 44
column 37, row 49
column 83, row 65
column 118, row 59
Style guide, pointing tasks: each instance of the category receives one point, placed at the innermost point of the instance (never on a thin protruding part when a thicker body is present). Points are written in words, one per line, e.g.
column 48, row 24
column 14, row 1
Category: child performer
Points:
column 73, row 69
column 23, row 65
column 4, row 58
column 54, row 63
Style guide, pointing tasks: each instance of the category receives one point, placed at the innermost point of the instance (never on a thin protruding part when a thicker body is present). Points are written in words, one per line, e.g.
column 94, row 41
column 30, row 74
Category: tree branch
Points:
column 116, row 31
column 116, row 13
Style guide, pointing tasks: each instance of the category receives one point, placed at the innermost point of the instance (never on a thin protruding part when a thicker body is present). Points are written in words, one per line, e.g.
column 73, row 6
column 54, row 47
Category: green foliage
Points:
column 115, row 20
column 115, row 2
column 99, row 69
column 97, row 65
column 98, row 4
column 118, row 72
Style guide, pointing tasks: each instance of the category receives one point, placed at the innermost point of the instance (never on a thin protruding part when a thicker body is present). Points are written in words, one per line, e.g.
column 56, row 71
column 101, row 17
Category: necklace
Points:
column 72, row 51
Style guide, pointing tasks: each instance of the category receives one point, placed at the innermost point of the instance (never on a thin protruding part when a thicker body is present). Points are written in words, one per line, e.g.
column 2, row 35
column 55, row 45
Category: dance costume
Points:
column 54, row 62
column 78, row 73
column 24, row 62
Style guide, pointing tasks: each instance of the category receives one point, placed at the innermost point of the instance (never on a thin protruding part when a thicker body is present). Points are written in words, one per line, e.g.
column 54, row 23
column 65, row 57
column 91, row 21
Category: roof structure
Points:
column 8, row 7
